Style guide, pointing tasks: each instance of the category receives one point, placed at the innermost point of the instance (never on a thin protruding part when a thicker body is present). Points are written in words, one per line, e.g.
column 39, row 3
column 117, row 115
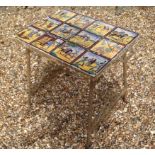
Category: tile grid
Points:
column 80, row 30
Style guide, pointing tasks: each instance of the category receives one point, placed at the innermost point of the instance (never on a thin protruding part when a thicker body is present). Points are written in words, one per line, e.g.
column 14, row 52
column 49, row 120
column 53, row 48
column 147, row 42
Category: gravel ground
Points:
column 57, row 116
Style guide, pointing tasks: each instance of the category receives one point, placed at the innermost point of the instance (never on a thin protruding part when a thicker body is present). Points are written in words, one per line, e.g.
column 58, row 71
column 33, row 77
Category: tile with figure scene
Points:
column 47, row 42
column 30, row 34
column 107, row 48
column 65, row 31
column 67, row 52
column 85, row 39
column 91, row 63
column 122, row 36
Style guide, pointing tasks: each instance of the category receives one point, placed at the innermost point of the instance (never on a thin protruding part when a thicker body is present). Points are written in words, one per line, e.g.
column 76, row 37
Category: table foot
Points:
column 88, row 146
column 28, row 53
column 90, row 128
column 124, row 98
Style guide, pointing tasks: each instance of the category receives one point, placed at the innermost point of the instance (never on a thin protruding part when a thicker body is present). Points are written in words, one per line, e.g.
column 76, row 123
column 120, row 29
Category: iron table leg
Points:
column 28, row 53
column 90, row 113
column 125, row 77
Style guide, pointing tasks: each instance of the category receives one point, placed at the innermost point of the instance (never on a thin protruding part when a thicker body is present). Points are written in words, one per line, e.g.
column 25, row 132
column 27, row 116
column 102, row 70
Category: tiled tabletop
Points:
column 82, row 42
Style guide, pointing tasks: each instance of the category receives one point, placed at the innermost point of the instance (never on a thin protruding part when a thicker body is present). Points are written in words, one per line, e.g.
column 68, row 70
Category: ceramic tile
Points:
column 107, row 48
column 100, row 28
column 91, row 63
column 68, row 52
column 30, row 34
column 85, row 39
column 65, row 31
column 47, row 24
column 81, row 21
column 63, row 15
column 122, row 36
column 47, row 42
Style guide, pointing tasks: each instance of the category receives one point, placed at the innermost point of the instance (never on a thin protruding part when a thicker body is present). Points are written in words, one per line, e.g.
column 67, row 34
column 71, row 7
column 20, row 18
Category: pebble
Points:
column 57, row 118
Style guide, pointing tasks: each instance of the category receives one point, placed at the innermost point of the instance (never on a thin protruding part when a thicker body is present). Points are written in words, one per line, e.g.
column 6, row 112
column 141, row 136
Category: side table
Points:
column 84, row 44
